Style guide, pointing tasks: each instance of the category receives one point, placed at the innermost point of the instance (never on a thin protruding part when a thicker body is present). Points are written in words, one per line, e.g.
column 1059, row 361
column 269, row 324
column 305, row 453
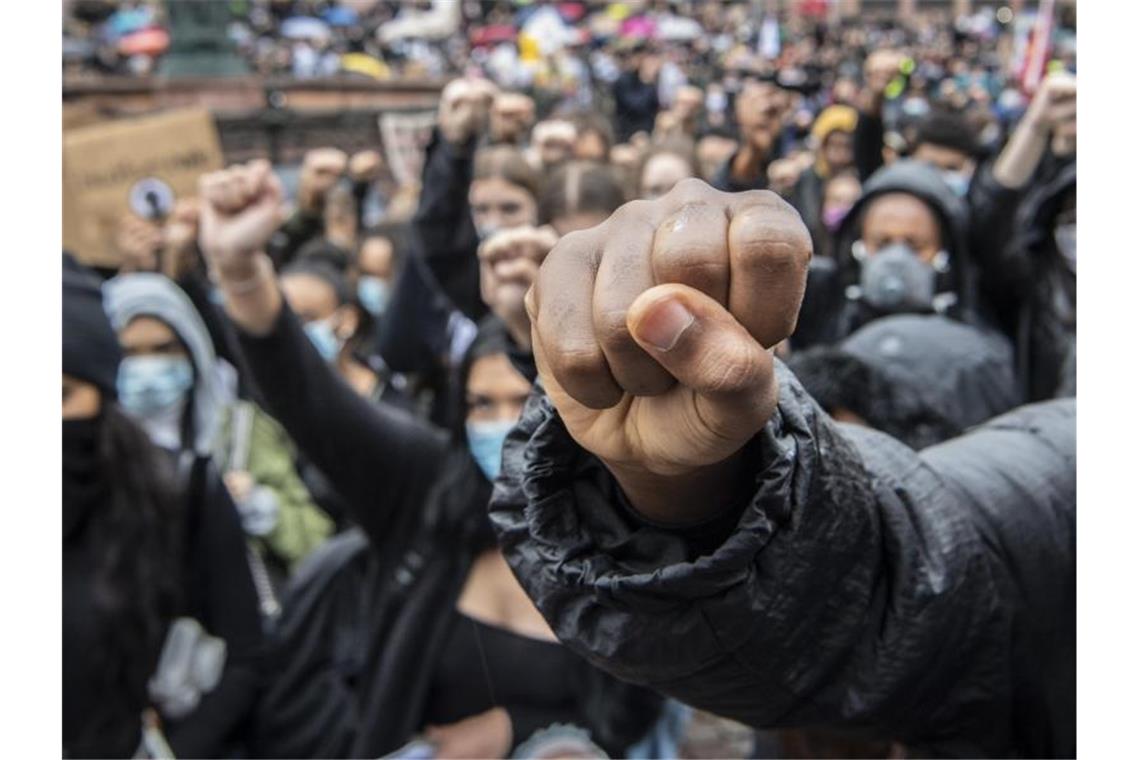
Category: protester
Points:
column 842, row 578
column 759, row 111
column 635, row 93
column 172, row 385
column 902, row 248
column 831, row 133
column 863, row 551
column 408, row 485
column 154, row 573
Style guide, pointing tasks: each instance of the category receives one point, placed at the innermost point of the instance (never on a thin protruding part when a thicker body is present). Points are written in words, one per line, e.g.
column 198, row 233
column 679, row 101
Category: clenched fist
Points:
column 651, row 334
column 508, row 264
column 240, row 209
column 320, row 170
column 464, row 107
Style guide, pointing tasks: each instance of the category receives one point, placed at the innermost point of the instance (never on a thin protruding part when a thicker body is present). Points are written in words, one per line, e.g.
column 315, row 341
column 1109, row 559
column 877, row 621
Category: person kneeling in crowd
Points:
column 459, row 654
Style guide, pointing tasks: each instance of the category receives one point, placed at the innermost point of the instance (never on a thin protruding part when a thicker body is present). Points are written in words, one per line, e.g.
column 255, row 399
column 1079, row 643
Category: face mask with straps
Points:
column 896, row 280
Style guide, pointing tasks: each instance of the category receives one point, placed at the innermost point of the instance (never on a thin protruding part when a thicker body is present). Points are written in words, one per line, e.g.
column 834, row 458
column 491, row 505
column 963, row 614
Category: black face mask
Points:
column 83, row 482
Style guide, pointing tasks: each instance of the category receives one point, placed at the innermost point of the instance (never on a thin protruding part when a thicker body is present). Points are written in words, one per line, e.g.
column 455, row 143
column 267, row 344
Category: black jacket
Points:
column 421, row 501
column 635, row 105
column 920, row 378
column 928, row 598
column 444, row 227
column 1028, row 285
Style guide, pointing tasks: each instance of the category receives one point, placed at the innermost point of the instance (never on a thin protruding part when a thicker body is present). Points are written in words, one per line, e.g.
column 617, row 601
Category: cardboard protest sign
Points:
column 140, row 166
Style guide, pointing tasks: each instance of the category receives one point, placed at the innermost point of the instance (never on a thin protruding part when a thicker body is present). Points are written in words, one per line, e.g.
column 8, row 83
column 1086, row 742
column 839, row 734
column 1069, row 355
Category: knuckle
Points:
column 689, row 189
column 612, row 330
column 577, row 362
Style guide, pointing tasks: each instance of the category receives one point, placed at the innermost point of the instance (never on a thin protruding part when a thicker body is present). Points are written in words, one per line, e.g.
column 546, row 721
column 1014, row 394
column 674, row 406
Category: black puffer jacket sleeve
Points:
column 928, row 598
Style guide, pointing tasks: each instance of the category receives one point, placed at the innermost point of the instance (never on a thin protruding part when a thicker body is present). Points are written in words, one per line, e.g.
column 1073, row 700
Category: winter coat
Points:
column 920, row 378
column 927, row 598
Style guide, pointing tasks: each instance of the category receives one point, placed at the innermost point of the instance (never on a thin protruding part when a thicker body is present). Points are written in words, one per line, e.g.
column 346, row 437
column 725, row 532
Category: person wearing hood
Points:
column 687, row 518
column 900, row 249
column 834, row 154
column 1040, row 147
column 413, row 490
column 154, row 575
column 1024, row 246
column 174, row 386
column 922, row 379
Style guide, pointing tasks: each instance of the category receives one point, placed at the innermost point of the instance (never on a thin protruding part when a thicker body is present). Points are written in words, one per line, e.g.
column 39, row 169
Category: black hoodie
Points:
column 846, row 315
column 921, row 378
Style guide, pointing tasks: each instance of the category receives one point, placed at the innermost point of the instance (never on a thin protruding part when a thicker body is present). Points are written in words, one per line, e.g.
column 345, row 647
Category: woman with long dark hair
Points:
column 150, row 583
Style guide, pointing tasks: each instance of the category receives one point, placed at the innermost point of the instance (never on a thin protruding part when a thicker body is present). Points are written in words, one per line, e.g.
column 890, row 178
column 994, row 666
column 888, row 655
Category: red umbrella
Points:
column 153, row 41
column 492, row 35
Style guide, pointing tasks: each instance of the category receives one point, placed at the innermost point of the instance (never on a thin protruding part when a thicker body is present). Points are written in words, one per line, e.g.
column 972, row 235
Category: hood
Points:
column 924, row 182
column 153, row 295
column 921, row 378
column 964, row 372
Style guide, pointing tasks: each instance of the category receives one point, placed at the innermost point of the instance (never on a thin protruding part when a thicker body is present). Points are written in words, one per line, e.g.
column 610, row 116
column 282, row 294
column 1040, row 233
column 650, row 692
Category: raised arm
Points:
column 443, row 220
column 382, row 461
column 1049, row 123
column 687, row 518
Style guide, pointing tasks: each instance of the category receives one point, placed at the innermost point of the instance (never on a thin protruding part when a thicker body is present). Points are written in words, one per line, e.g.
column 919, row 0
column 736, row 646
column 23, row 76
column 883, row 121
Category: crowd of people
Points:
column 705, row 376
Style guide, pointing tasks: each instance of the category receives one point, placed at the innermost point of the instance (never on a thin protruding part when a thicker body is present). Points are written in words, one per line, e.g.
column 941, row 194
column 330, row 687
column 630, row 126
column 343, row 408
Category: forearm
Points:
column 378, row 459
column 1017, row 162
column 253, row 300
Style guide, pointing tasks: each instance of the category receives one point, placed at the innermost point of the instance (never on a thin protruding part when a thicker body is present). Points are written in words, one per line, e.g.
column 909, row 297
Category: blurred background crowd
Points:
column 929, row 147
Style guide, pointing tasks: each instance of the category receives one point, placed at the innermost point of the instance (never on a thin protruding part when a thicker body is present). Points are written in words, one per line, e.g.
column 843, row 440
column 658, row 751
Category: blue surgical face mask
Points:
column 373, row 293
column 485, row 231
column 486, row 442
column 324, row 338
column 151, row 384
column 958, row 182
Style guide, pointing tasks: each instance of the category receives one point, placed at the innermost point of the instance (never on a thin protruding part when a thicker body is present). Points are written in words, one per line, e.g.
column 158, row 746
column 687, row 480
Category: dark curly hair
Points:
column 837, row 380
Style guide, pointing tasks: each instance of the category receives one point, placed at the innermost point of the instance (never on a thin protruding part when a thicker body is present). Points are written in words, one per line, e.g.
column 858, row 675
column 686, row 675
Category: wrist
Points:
column 681, row 499
column 244, row 273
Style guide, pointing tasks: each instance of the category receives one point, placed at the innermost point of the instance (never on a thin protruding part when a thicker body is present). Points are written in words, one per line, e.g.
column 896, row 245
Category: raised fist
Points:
column 139, row 242
column 320, row 170
column 240, row 209
column 508, row 264
column 651, row 332
column 364, row 166
column 512, row 115
column 464, row 107
column 1053, row 111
